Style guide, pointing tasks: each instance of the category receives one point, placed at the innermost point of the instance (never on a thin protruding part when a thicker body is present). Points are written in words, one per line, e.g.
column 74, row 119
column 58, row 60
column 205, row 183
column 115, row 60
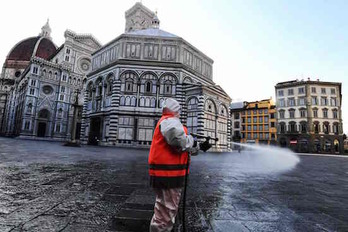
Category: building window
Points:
column 334, row 114
column 301, row 101
column 64, row 77
column 60, row 113
column 266, row 136
column 255, row 119
column 323, row 91
column 254, row 128
column 249, row 135
column 303, row 113
column 236, row 116
column 324, row 101
column 326, row 128
column 62, row 89
column 236, row 124
column 280, row 93
column 67, row 58
column 33, row 82
column 35, row 70
column 266, row 111
column 67, row 51
column 315, row 113
column 281, row 102
column 249, row 128
column 129, row 86
column 168, row 87
column 335, row 128
column 249, row 119
column 292, row 113
column 301, row 90
column 260, row 119
column 266, row 119
column 291, row 101
column 314, row 90
column 333, row 101
column 282, row 127
column 290, row 91
column 254, row 111
column 292, row 127
column 272, row 124
column 303, row 127
column 281, row 114
column 29, row 108
column 148, row 87
column 333, row 91
column 314, row 100
column 266, row 127
column 316, row 127
column 32, row 91
column 272, row 115
column 260, row 128
column 249, row 112
column 61, row 97
column 325, row 114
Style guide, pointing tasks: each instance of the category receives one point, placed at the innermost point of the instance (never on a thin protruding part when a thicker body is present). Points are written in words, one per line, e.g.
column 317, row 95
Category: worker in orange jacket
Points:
column 169, row 154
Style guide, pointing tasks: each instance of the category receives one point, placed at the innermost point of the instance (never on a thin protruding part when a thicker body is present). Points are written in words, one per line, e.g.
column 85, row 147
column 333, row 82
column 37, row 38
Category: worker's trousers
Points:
column 166, row 208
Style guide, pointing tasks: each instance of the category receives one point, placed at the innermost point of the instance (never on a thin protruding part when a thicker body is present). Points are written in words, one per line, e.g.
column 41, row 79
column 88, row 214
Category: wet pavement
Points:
column 45, row 186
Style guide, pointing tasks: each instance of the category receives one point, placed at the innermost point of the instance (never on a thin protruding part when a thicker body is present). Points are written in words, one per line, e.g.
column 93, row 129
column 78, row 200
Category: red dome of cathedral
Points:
column 35, row 46
column 39, row 46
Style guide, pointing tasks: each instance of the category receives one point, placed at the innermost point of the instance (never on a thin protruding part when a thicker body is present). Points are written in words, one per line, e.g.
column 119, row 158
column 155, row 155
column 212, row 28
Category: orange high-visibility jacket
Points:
column 167, row 165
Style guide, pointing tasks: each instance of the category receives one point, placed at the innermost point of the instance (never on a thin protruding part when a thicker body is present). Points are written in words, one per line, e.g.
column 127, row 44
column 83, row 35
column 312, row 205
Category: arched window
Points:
column 148, row 87
column 282, row 127
column 29, row 109
column 292, row 127
column 326, row 127
column 60, row 112
column 128, row 81
column 335, row 129
column 316, row 127
column 168, row 85
column 303, row 127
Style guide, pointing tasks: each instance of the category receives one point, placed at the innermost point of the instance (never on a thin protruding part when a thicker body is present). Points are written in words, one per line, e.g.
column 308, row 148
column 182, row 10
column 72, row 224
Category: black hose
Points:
column 184, row 197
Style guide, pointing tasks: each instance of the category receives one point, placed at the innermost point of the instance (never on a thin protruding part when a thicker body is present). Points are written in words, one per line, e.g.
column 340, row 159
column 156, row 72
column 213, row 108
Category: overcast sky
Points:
column 254, row 44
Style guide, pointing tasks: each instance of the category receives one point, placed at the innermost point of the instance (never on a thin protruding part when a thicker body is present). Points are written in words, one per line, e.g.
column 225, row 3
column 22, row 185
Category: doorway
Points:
column 41, row 129
column 95, row 131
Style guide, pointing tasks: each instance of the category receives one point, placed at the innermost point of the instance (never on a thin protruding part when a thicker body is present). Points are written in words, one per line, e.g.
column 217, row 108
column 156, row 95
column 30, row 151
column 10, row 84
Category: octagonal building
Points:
column 132, row 76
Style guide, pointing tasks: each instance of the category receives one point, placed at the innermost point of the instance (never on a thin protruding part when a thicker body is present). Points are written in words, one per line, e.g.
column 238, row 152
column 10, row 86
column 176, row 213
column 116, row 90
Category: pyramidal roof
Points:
column 152, row 32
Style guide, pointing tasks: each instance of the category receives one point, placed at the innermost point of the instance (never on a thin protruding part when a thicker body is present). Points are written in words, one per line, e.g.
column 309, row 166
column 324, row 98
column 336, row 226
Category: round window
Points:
column 47, row 89
column 18, row 73
column 84, row 65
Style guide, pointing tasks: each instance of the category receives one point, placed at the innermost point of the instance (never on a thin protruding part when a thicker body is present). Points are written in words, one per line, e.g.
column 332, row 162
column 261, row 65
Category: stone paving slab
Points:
column 45, row 186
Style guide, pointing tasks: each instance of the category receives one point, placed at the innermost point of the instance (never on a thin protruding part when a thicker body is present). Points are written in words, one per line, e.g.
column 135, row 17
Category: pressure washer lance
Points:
column 207, row 138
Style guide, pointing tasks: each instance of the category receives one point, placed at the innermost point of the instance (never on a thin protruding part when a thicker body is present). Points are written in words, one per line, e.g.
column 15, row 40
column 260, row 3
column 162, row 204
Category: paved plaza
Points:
column 49, row 187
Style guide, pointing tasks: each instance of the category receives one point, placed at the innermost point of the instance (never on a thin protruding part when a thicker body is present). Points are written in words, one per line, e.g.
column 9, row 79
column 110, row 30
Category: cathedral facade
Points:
column 133, row 74
column 41, row 82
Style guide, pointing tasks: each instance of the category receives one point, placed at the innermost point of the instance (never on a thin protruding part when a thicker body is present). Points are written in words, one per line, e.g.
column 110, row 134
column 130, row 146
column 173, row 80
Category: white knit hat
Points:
column 171, row 105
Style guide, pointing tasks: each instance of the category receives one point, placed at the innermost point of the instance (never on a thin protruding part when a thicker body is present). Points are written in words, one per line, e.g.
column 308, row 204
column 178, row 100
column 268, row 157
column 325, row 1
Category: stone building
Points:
column 254, row 122
column 134, row 73
column 42, row 82
column 309, row 116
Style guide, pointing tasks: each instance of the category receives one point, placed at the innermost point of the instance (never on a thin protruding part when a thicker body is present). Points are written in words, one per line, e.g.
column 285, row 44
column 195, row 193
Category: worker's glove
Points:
column 205, row 146
column 195, row 148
